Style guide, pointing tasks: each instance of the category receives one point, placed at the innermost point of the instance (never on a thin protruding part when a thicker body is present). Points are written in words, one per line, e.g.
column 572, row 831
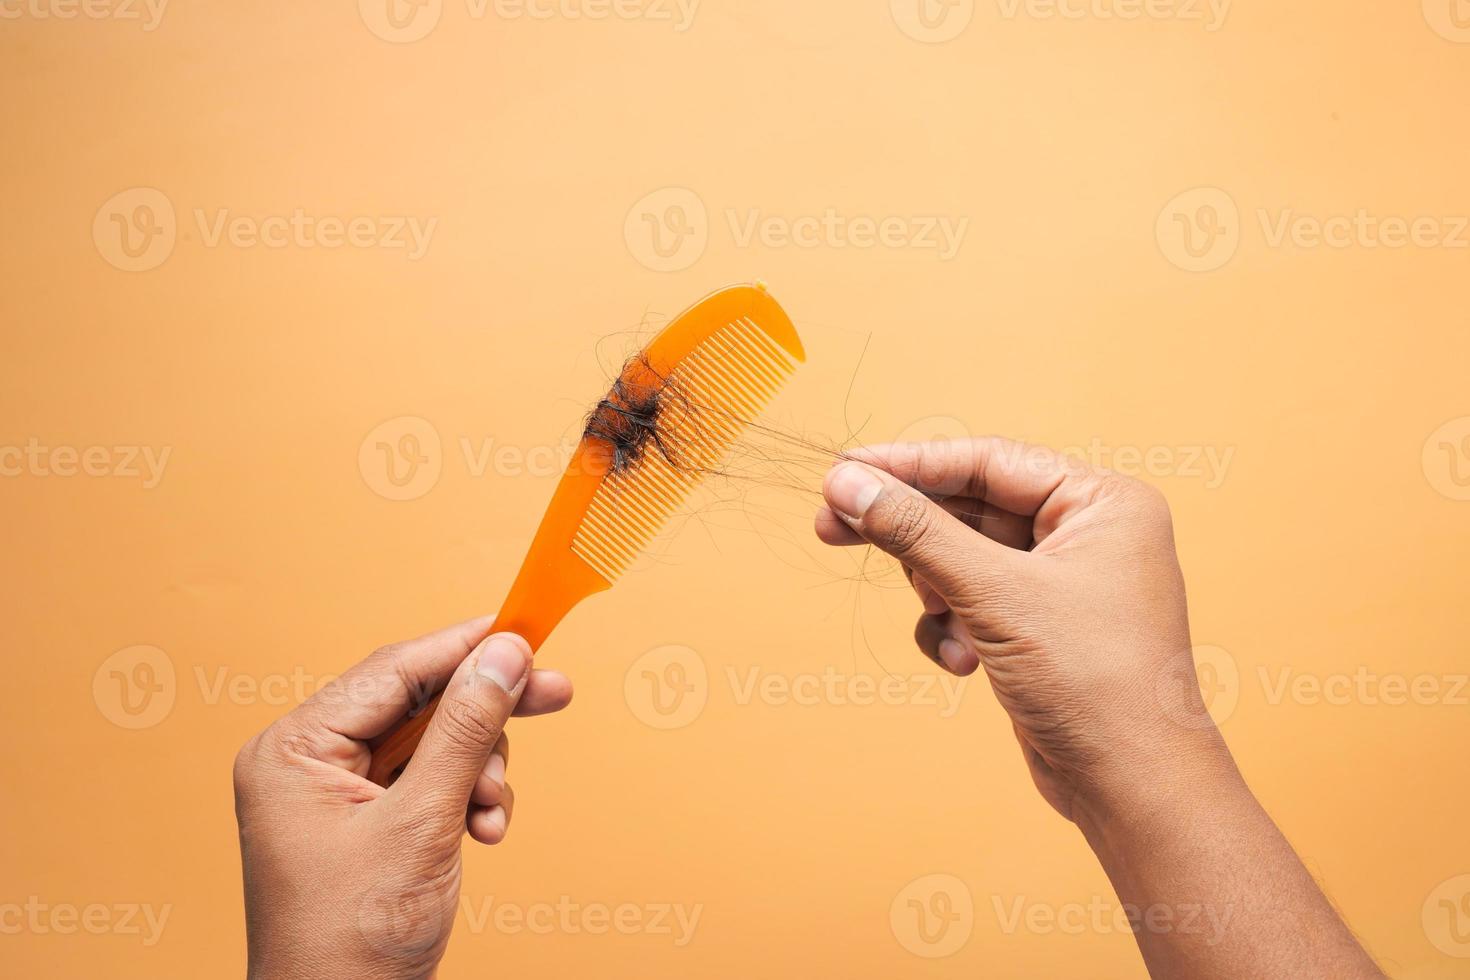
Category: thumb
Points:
column 960, row 563
column 471, row 715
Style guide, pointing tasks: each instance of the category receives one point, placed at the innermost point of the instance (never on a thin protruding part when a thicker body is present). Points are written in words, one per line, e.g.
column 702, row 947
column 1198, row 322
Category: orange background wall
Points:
column 1135, row 273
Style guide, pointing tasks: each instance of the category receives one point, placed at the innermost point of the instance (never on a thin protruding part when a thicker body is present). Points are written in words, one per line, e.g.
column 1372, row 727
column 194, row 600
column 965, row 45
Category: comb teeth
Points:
column 711, row 395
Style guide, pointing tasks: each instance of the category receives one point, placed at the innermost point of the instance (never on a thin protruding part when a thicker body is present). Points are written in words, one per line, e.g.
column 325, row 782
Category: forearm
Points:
column 1212, row 886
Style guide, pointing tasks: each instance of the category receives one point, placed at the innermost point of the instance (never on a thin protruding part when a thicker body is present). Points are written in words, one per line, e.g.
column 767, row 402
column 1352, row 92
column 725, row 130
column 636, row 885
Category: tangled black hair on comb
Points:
column 628, row 418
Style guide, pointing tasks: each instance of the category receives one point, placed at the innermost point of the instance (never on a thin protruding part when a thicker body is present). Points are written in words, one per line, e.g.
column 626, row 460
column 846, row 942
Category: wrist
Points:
column 297, row 962
column 1158, row 786
column 302, row 971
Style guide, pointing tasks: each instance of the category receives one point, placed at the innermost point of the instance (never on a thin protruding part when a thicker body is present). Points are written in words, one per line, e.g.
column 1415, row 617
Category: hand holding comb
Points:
column 669, row 419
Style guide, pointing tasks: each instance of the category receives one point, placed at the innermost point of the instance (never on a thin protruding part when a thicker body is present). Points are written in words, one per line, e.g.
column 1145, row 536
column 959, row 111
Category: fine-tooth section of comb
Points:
column 706, row 401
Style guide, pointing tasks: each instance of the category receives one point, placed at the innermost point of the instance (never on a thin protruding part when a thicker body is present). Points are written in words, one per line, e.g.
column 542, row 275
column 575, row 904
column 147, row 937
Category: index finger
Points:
column 1015, row 476
column 375, row 693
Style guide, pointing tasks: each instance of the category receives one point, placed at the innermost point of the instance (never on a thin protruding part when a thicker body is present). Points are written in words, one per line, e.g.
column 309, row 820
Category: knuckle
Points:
column 293, row 743
column 425, row 824
column 1101, row 480
column 1147, row 498
column 400, row 679
column 283, row 744
column 468, row 723
column 386, row 653
column 1141, row 503
column 932, row 466
column 1155, row 500
column 908, row 522
column 1110, row 485
column 247, row 762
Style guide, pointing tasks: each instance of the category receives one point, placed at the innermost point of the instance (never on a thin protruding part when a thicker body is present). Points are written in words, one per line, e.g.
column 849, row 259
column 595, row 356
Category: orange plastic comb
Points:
column 668, row 420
